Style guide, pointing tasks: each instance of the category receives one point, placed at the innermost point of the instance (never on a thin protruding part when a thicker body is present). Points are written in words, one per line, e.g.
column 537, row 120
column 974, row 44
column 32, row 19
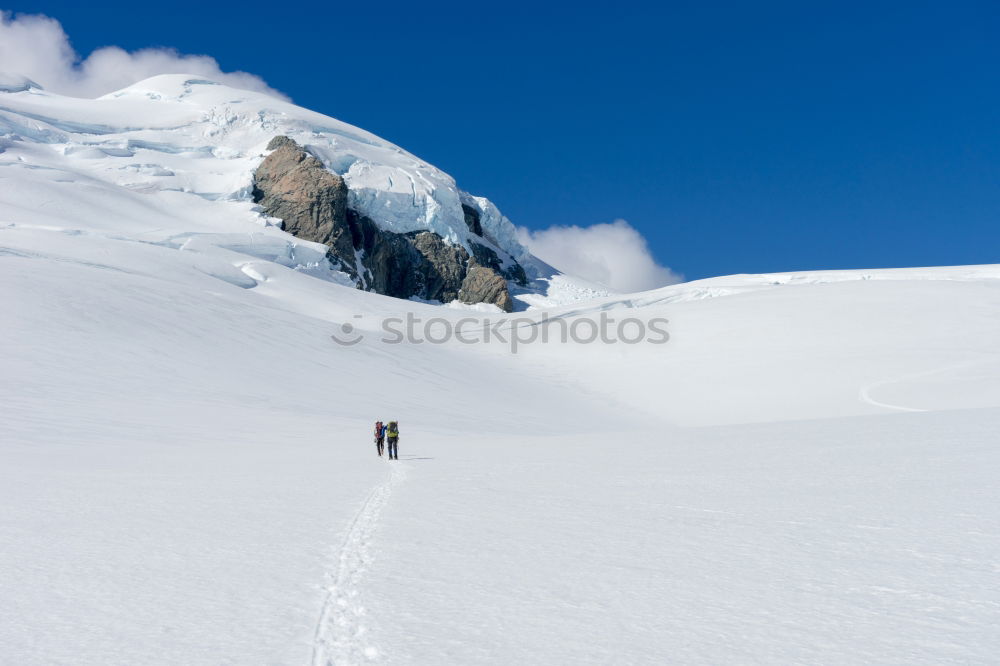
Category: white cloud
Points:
column 615, row 255
column 36, row 46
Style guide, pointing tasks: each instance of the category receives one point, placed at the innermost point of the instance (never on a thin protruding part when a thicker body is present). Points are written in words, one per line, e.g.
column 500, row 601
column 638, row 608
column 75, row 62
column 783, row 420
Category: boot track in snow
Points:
column 341, row 633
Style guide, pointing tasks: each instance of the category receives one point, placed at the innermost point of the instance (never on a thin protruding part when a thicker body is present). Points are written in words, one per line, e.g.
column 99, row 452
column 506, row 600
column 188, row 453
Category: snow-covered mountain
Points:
column 784, row 468
column 188, row 148
column 175, row 133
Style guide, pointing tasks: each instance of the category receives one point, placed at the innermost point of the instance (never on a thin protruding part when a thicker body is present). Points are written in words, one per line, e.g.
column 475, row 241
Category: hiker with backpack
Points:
column 379, row 437
column 393, row 431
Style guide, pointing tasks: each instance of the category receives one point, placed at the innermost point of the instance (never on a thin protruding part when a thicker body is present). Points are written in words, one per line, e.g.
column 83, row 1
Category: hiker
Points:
column 379, row 437
column 393, row 432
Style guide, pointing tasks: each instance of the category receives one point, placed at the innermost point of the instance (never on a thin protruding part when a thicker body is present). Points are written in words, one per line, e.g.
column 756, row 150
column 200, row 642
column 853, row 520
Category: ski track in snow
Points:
column 864, row 394
column 341, row 633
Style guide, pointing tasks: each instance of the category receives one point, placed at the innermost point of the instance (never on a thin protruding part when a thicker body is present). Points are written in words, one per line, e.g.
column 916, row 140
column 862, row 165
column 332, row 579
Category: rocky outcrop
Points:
column 488, row 257
column 294, row 186
column 472, row 220
column 388, row 260
column 485, row 255
column 311, row 202
column 484, row 285
column 444, row 267
column 516, row 273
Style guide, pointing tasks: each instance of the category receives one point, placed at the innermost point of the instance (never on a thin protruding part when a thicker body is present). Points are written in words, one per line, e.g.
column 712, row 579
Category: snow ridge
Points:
column 341, row 633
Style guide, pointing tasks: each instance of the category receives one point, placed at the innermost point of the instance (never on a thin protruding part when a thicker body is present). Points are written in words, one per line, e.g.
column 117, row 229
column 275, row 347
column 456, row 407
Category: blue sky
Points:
column 736, row 137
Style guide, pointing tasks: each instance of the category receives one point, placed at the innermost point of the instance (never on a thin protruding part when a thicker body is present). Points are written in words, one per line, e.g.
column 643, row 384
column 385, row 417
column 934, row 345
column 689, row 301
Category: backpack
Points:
column 393, row 429
column 378, row 428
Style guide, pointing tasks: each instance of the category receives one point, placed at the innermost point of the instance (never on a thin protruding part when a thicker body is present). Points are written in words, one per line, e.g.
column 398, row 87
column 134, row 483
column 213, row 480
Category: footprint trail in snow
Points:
column 341, row 633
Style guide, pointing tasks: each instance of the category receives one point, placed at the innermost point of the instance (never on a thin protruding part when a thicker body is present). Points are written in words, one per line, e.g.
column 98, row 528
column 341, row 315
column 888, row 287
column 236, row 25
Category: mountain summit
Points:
column 391, row 222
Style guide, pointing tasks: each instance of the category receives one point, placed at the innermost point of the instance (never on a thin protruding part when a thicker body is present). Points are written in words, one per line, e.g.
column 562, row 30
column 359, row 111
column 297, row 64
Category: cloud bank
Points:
column 614, row 255
column 36, row 46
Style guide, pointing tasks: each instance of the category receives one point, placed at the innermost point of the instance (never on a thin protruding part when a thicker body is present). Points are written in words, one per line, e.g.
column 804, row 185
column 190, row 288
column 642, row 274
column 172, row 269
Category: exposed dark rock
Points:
column 472, row 220
column 516, row 273
column 403, row 265
column 445, row 266
column 311, row 201
column 389, row 260
column 484, row 285
column 488, row 257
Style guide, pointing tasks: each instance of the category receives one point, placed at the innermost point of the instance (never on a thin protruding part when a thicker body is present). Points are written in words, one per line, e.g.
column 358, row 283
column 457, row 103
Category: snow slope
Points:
column 805, row 472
